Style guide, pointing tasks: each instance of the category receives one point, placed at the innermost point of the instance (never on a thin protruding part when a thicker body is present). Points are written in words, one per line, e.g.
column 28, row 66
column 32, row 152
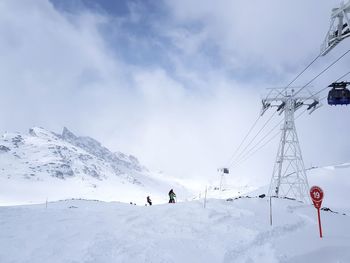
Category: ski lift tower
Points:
column 223, row 172
column 339, row 28
column 289, row 176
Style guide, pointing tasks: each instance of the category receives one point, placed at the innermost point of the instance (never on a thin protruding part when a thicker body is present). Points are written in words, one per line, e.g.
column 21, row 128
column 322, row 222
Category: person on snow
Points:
column 149, row 201
column 172, row 196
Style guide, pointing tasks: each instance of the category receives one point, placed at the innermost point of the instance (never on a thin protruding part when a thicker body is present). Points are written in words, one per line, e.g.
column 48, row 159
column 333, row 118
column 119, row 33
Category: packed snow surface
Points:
column 223, row 231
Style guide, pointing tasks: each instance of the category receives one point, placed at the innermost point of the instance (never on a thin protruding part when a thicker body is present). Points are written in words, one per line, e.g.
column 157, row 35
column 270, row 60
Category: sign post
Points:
column 270, row 212
column 205, row 196
column 316, row 194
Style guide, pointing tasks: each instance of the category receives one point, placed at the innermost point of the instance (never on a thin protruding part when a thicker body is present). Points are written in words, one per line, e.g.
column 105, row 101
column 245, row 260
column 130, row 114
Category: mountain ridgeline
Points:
column 64, row 165
column 62, row 156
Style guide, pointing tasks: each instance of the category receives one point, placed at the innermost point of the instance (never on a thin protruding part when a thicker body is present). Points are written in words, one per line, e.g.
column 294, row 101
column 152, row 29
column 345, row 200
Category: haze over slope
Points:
column 42, row 164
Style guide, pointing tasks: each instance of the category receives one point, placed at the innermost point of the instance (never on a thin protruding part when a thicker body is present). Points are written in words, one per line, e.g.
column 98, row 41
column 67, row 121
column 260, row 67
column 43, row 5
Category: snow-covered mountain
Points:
column 43, row 164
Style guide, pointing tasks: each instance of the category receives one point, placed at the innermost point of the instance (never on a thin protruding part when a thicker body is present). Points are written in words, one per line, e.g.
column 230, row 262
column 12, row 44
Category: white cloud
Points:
column 49, row 64
column 57, row 69
column 267, row 33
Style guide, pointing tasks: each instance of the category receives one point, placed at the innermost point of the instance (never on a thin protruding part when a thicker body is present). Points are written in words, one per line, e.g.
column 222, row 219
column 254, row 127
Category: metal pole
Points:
column 205, row 196
column 221, row 180
column 319, row 222
column 270, row 211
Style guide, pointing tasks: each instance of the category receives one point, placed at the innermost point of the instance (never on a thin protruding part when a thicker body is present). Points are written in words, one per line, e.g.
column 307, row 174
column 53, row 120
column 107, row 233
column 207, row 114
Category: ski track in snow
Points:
column 261, row 245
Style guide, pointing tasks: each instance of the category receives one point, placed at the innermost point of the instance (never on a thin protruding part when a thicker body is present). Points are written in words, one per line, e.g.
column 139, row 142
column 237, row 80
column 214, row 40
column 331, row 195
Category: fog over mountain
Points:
column 176, row 83
column 44, row 165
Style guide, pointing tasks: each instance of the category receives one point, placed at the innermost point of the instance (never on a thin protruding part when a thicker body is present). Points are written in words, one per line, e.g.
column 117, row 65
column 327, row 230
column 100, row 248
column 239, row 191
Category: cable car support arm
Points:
column 339, row 28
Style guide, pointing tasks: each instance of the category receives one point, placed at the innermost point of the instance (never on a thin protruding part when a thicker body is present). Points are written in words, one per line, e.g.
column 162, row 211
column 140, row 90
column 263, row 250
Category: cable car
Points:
column 339, row 94
column 224, row 170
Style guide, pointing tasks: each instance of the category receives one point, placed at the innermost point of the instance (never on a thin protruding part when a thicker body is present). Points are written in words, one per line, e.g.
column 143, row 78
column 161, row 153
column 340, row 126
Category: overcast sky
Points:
column 176, row 83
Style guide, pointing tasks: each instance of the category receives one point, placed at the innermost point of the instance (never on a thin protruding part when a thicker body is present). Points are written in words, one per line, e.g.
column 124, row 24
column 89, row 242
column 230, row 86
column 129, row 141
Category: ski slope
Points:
column 224, row 231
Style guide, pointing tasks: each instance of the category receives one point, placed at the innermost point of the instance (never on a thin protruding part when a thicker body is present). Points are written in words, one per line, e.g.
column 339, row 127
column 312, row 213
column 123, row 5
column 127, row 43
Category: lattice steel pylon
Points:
column 339, row 28
column 289, row 176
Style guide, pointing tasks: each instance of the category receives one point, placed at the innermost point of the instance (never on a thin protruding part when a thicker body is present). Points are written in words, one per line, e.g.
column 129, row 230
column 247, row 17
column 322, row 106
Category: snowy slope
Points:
column 224, row 231
column 334, row 180
column 43, row 165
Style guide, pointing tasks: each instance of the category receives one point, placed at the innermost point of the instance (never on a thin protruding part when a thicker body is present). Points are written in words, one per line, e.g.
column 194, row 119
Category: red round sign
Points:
column 316, row 194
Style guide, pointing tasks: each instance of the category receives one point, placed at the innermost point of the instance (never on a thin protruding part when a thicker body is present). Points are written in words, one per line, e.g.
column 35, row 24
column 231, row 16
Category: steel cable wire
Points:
column 240, row 145
column 274, row 136
column 248, row 155
column 323, row 71
column 252, row 140
column 254, row 124
column 318, row 75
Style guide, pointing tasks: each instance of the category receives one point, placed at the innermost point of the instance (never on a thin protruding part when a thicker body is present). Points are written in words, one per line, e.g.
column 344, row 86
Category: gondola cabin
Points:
column 339, row 94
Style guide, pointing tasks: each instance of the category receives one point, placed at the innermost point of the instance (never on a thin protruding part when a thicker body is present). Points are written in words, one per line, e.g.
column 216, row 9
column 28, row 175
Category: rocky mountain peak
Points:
column 63, row 155
column 68, row 135
column 39, row 132
column 95, row 148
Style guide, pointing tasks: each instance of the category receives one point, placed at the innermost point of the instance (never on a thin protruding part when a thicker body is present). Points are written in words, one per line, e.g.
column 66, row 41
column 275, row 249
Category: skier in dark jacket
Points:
column 149, row 201
column 172, row 196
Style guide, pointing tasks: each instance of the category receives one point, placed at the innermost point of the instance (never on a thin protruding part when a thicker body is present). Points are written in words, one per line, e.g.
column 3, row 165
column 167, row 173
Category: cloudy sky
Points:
column 176, row 83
